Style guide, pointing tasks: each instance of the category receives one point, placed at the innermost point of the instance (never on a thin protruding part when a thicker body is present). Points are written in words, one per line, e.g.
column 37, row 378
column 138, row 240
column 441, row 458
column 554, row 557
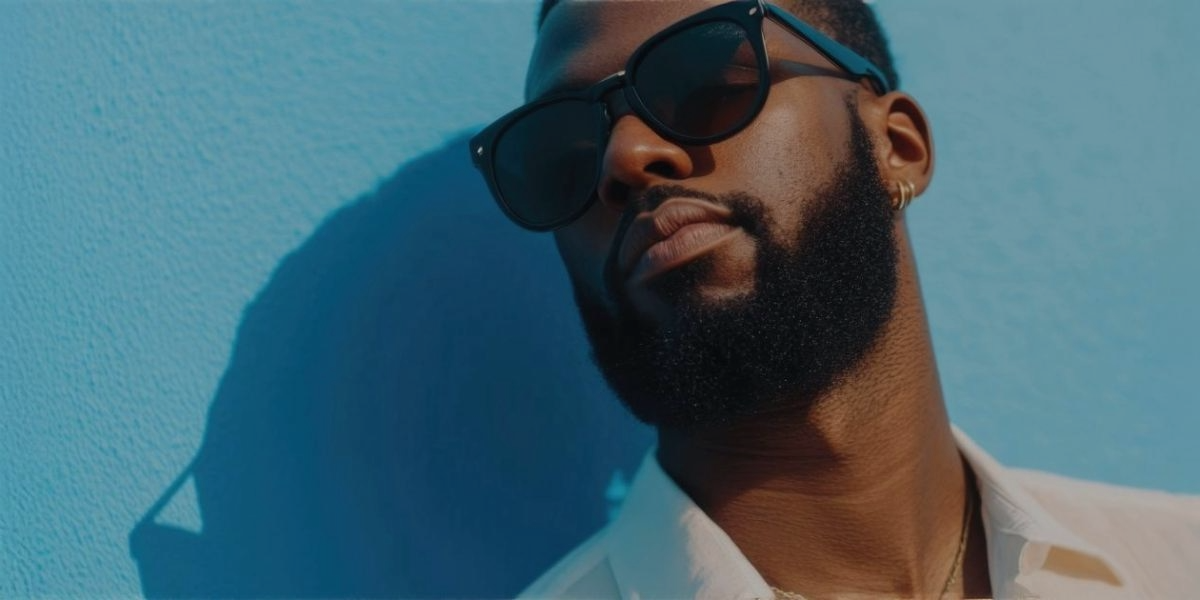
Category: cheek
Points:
column 788, row 153
column 584, row 247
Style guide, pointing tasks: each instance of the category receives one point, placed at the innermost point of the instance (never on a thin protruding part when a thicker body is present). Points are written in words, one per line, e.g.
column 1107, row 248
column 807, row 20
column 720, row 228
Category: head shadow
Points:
column 409, row 410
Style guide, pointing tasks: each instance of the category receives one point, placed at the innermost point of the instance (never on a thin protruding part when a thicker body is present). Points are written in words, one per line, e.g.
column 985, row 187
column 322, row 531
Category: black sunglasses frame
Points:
column 747, row 14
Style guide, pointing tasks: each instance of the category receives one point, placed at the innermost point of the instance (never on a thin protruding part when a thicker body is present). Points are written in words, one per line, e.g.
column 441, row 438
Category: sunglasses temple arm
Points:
column 800, row 69
column 840, row 55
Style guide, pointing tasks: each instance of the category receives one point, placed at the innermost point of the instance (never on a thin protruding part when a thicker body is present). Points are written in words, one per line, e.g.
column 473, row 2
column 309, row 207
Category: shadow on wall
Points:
column 409, row 411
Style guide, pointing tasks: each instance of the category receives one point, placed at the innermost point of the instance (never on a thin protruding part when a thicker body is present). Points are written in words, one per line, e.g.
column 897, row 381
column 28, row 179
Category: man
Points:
column 726, row 184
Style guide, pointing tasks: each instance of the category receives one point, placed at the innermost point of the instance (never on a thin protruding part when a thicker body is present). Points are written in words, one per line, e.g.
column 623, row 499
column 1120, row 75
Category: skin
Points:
column 863, row 495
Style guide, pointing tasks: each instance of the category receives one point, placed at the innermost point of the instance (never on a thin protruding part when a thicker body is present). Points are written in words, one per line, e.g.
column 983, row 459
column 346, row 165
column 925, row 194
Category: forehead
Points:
column 583, row 41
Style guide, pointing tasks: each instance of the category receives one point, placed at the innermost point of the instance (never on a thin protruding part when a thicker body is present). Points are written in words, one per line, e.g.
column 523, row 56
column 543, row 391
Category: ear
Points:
column 903, row 141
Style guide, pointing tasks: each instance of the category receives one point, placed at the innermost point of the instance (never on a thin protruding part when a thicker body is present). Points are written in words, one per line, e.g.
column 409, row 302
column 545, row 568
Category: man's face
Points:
column 785, row 282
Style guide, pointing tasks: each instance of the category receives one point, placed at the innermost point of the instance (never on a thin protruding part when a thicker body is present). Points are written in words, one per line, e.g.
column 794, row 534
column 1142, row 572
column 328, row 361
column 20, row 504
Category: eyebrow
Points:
column 560, row 88
column 572, row 83
column 789, row 67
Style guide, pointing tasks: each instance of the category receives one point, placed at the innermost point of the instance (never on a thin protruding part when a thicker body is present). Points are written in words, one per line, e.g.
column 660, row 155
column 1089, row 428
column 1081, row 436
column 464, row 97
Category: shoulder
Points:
column 1074, row 495
column 1154, row 535
column 582, row 573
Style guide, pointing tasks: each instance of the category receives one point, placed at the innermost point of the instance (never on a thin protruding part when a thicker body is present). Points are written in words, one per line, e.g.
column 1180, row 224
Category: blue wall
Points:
column 264, row 331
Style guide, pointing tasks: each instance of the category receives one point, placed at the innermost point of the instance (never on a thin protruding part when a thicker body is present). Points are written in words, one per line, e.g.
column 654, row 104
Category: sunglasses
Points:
column 697, row 82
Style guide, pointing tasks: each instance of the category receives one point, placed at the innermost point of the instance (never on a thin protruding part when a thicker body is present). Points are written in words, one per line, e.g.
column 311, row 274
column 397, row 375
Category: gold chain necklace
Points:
column 955, row 567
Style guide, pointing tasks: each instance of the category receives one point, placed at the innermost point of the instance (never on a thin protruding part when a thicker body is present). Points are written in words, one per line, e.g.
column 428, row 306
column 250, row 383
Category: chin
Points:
column 696, row 286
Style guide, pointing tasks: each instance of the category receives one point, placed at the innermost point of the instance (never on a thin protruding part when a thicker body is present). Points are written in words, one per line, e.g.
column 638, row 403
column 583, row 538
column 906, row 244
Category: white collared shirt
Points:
column 1047, row 537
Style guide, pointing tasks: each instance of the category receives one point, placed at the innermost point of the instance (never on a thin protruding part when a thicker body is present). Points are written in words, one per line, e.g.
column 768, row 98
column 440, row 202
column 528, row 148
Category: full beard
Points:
column 817, row 307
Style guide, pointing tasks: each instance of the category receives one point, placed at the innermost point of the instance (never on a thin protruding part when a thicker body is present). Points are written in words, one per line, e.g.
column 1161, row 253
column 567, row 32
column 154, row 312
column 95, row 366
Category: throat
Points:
column 832, row 502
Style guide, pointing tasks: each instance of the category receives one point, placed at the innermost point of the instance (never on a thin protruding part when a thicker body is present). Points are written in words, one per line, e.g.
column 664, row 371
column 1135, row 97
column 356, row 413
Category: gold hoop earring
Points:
column 906, row 193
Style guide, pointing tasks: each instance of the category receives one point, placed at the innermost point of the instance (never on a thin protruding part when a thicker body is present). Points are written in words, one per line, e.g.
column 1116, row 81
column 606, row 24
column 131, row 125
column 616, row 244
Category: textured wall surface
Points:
column 251, row 290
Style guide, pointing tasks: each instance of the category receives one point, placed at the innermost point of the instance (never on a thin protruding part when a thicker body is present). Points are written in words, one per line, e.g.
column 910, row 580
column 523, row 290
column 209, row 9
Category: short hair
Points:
column 851, row 22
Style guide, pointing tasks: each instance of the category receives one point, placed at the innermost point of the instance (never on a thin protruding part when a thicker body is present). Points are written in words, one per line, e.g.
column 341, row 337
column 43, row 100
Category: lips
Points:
column 677, row 232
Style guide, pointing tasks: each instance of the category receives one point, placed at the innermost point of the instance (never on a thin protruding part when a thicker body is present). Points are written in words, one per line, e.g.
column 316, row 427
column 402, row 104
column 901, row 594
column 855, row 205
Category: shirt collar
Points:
column 1022, row 536
column 663, row 545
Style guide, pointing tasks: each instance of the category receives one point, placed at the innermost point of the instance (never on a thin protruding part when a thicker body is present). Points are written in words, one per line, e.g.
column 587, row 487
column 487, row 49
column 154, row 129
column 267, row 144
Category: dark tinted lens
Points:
column 703, row 81
column 546, row 163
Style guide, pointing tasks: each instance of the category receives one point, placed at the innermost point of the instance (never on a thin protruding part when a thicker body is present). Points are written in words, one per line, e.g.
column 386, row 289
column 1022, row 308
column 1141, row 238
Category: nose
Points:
column 637, row 158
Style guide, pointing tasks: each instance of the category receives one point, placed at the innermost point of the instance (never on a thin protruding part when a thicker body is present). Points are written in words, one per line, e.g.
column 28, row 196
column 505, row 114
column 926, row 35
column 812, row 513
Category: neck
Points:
column 862, row 492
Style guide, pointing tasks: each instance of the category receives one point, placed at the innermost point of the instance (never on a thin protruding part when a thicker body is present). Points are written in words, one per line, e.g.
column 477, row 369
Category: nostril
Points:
column 662, row 168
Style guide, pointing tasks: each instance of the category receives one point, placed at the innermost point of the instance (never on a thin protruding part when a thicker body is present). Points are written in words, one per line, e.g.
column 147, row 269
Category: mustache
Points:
column 748, row 213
